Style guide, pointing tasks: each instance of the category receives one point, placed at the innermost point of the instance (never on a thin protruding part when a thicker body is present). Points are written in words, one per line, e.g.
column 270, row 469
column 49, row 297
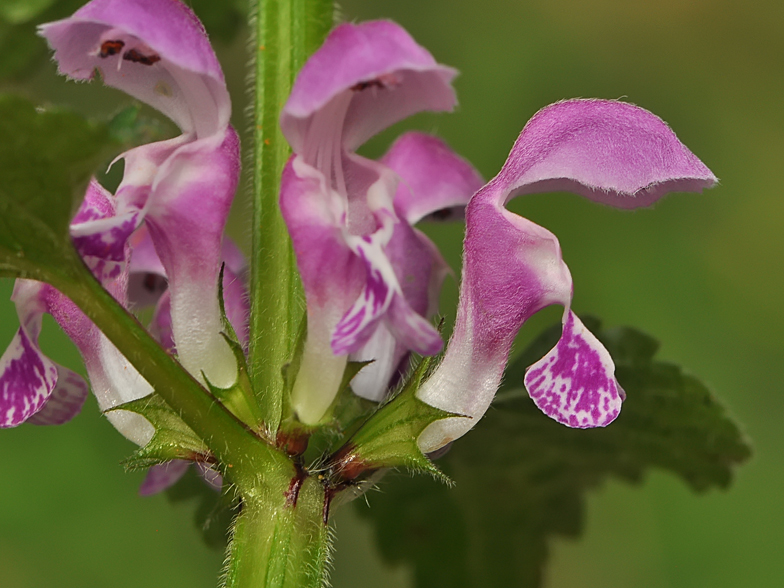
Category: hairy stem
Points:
column 280, row 538
column 287, row 32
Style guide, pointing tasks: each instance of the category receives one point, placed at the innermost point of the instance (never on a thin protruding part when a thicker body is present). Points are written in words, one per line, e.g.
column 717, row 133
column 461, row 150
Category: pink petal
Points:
column 385, row 75
column 27, row 377
column 235, row 301
column 359, row 321
column 385, row 353
column 147, row 276
column 162, row 476
column 434, row 179
column 233, row 257
column 512, row 269
column 65, row 402
column 575, row 382
column 113, row 379
column 420, row 271
column 611, row 152
column 210, row 475
column 382, row 298
column 332, row 274
column 161, row 324
column 186, row 216
column 100, row 235
column 154, row 50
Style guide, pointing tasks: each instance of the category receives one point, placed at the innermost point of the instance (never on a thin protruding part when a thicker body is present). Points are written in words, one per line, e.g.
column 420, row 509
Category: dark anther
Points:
column 110, row 48
column 136, row 57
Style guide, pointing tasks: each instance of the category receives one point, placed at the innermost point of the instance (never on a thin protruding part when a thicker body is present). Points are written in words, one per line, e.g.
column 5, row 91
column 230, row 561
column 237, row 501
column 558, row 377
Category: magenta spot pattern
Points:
column 575, row 382
column 26, row 381
column 353, row 329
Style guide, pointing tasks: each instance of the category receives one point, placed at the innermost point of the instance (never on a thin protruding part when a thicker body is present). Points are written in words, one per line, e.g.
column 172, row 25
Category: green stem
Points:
column 280, row 538
column 287, row 32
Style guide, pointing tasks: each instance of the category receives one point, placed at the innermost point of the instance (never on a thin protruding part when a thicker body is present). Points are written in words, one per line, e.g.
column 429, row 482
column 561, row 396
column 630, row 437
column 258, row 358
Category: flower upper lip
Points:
column 158, row 52
column 355, row 60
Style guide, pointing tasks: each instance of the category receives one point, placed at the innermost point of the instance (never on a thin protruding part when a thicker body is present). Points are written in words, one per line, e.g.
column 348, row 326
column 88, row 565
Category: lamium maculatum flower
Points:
column 370, row 279
column 179, row 191
column 608, row 151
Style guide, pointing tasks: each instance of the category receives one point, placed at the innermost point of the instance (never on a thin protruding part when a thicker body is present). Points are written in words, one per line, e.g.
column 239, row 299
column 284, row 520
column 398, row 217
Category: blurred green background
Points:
column 703, row 273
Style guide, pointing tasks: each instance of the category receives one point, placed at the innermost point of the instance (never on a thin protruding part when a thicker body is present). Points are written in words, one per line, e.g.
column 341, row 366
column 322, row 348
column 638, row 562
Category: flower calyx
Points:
column 389, row 437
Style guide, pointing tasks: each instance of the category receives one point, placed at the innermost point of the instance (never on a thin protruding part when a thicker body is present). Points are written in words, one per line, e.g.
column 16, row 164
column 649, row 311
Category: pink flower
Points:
column 608, row 151
column 179, row 191
column 370, row 279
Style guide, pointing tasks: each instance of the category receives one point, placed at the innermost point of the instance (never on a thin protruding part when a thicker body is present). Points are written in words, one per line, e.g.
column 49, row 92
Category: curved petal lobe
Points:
column 66, row 400
column 608, row 151
column 436, row 183
column 512, row 269
column 162, row 476
column 575, row 382
column 29, row 379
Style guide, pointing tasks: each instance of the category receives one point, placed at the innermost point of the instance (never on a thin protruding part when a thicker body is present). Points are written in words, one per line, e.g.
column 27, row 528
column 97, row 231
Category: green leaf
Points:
column 521, row 478
column 19, row 11
column 46, row 159
column 388, row 438
column 173, row 439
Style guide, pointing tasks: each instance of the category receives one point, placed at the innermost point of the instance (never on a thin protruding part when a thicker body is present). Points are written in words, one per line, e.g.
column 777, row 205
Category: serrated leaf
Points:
column 388, row 438
column 521, row 478
column 173, row 439
column 46, row 159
